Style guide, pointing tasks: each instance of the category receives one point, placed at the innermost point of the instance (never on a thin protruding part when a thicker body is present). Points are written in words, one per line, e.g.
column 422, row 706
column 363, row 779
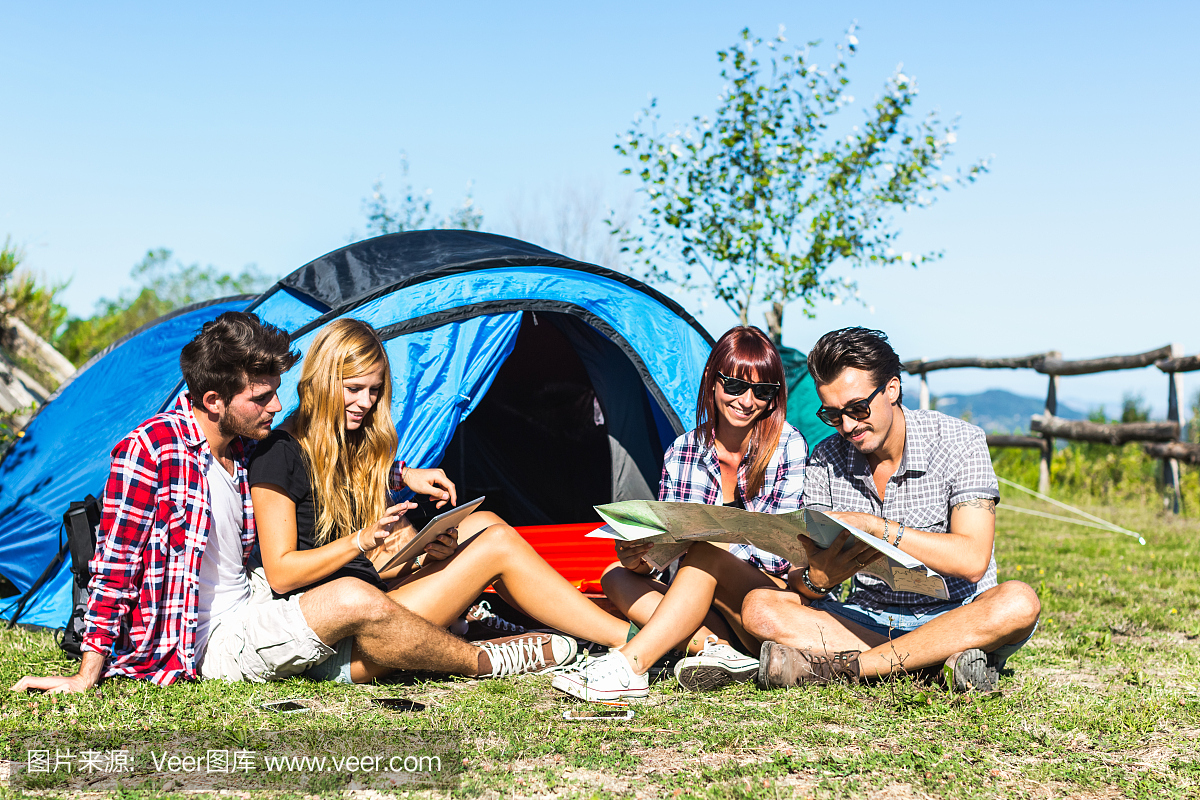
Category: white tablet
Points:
column 439, row 524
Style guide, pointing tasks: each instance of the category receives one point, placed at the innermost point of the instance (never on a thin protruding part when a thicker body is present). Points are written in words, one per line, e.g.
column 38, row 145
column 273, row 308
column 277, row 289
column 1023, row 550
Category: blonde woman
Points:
column 321, row 485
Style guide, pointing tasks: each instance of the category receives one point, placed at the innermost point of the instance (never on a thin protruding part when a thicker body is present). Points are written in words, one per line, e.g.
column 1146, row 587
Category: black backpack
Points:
column 82, row 521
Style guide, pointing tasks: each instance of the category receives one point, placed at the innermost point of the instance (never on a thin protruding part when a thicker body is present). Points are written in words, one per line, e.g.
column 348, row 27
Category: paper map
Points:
column 671, row 527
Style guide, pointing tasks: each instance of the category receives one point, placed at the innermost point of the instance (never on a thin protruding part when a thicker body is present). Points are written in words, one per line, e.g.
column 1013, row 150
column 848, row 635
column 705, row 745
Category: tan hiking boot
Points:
column 780, row 666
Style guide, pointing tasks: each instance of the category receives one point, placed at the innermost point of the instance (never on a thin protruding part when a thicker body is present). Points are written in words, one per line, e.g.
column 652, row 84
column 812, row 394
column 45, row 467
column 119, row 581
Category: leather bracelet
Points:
column 808, row 584
column 899, row 536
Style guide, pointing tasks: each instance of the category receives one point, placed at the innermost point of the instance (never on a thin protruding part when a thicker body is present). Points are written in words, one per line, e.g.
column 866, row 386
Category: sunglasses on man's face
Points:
column 737, row 387
column 858, row 410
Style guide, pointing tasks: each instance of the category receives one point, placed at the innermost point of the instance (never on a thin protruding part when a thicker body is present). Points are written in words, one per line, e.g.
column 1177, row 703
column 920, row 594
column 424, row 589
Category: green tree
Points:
column 166, row 284
column 414, row 210
column 1134, row 408
column 22, row 295
column 758, row 204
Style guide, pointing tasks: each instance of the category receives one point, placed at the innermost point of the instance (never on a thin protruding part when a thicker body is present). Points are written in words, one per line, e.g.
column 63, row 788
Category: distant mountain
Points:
column 996, row 411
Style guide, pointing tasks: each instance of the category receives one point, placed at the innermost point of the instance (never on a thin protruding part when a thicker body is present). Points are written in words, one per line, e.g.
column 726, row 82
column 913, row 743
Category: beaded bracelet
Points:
column 885, row 528
column 809, row 584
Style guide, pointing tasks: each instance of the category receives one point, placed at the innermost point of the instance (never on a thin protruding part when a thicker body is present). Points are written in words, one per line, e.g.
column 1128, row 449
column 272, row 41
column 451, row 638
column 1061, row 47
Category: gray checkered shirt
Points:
column 945, row 462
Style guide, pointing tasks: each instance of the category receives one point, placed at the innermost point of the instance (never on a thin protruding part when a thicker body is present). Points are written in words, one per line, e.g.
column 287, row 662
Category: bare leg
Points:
column 707, row 576
column 495, row 553
column 1002, row 615
column 638, row 597
column 387, row 636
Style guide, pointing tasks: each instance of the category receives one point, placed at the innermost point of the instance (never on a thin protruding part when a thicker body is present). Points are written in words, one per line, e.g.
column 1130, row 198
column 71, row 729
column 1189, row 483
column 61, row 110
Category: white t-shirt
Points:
column 224, row 583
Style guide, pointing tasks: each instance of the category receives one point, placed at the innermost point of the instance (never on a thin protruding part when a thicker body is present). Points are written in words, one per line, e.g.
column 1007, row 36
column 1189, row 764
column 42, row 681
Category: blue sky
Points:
column 251, row 133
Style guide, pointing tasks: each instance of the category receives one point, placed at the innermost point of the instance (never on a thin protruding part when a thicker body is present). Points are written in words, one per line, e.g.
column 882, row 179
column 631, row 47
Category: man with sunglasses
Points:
column 923, row 482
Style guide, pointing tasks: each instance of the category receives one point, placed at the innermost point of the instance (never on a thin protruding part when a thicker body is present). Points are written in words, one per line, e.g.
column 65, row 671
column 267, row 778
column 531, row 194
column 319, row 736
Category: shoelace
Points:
column 516, row 657
column 612, row 667
column 485, row 616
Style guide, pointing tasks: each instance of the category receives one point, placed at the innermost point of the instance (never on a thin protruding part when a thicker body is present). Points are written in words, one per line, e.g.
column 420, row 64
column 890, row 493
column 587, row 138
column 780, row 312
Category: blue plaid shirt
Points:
column 945, row 463
column 691, row 474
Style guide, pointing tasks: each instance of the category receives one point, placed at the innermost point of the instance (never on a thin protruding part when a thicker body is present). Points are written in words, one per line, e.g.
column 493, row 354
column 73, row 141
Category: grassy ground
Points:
column 1104, row 702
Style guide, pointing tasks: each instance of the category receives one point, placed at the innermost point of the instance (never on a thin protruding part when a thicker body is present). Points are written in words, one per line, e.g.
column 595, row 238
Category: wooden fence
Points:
column 1161, row 439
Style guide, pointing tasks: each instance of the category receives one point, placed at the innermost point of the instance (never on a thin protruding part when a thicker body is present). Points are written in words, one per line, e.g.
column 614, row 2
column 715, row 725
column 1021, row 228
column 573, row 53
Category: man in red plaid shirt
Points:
column 171, row 595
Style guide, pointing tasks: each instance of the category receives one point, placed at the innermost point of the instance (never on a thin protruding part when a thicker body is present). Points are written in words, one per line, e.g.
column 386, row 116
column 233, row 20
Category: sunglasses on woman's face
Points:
column 736, row 387
column 858, row 410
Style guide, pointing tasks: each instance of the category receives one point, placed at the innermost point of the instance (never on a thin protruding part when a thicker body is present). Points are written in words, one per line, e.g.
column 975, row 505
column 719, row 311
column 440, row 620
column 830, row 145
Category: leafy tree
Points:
column 1134, row 408
column 167, row 284
column 759, row 203
column 22, row 295
column 414, row 211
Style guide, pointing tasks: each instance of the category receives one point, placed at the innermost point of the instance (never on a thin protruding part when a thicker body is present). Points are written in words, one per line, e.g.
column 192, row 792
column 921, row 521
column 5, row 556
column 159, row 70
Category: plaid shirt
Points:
column 144, row 590
column 945, row 462
column 691, row 474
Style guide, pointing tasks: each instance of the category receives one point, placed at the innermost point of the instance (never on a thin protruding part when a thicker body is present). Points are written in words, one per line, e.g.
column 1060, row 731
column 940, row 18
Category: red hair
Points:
column 741, row 353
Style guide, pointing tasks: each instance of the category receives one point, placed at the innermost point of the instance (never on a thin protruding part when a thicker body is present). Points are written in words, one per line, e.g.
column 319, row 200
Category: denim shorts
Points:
column 336, row 668
column 895, row 621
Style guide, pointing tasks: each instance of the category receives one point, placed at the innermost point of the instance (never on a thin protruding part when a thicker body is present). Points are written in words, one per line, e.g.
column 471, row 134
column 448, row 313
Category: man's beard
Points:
column 230, row 425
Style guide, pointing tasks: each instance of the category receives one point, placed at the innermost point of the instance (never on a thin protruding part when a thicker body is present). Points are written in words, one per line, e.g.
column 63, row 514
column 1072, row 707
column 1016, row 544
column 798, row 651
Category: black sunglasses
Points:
column 737, row 387
column 858, row 410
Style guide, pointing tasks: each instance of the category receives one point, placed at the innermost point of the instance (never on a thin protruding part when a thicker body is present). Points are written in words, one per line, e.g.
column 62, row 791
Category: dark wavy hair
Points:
column 740, row 353
column 857, row 348
column 230, row 349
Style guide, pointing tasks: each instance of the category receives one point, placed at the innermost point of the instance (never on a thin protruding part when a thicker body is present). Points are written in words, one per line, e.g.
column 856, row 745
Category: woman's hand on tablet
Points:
column 378, row 531
column 441, row 548
column 433, row 483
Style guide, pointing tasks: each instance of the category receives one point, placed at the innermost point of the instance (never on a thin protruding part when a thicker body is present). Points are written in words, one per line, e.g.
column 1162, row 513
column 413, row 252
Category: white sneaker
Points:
column 603, row 680
column 715, row 666
column 531, row 653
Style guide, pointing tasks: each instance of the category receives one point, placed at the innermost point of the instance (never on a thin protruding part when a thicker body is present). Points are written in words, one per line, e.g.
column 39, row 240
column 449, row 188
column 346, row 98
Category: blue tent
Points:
column 543, row 382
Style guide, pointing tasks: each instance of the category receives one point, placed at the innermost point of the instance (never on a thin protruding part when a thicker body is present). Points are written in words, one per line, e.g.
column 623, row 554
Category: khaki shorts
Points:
column 267, row 639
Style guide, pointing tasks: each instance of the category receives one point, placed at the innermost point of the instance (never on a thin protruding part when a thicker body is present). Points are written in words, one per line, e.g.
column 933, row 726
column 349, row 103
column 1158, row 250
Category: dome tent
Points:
column 548, row 384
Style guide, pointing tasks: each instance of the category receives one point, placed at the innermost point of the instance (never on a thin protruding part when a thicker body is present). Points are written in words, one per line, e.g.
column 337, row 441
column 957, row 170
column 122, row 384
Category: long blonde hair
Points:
column 349, row 469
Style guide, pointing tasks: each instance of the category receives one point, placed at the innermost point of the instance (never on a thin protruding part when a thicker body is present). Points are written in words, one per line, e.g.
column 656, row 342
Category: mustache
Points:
column 856, row 431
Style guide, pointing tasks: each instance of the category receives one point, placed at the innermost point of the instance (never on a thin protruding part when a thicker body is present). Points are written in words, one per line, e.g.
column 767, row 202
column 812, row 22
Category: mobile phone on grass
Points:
column 398, row 704
column 576, row 713
column 285, row 706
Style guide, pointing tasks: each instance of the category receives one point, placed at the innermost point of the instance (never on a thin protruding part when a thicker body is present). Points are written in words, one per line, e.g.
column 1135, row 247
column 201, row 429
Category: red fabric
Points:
column 566, row 548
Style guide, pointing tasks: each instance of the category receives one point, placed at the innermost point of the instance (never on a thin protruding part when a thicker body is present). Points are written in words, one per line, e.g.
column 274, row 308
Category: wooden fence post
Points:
column 1170, row 466
column 924, row 395
column 1051, row 410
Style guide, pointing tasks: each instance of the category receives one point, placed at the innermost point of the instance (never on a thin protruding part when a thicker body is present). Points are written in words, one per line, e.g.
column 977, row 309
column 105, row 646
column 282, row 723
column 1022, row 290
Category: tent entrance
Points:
column 566, row 424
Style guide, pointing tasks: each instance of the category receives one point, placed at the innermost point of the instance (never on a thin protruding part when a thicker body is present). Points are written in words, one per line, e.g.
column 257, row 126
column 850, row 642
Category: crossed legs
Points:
column 684, row 614
column 1004, row 614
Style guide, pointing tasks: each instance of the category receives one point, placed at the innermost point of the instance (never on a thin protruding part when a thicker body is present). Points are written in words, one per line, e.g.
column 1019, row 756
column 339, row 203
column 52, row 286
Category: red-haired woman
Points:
column 741, row 453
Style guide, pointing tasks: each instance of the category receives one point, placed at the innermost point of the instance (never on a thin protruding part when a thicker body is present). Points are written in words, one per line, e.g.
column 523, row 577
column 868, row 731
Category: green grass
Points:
column 1104, row 702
